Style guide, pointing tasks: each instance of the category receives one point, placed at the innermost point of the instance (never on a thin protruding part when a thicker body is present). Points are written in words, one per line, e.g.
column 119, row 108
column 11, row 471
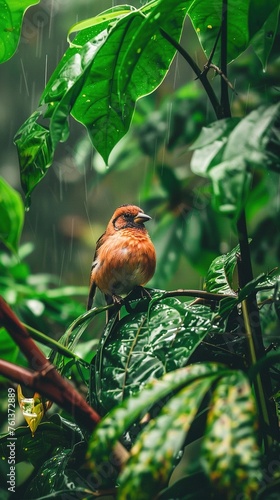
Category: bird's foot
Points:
column 117, row 300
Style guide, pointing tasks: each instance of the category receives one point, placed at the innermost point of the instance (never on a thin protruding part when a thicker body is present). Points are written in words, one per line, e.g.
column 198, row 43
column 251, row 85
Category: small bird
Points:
column 124, row 257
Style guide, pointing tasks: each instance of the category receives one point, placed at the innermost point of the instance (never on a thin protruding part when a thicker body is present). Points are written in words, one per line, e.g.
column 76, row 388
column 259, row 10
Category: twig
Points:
column 200, row 74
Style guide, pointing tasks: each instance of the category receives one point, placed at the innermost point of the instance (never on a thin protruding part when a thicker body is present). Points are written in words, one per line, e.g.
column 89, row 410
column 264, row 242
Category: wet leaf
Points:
column 155, row 452
column 35, row 152
column 263, row 21
column 144, row 346
column 12, row 216
column 230, row 451
column 12, row 13
column 243, row 22
column 38, row 448
column 54, row 476
column 219, row 278
column 207, row 18
column 149, row 399
column 133, row 62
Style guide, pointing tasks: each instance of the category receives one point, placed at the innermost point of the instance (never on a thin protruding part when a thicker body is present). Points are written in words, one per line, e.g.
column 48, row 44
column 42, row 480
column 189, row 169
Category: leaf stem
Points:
column 49, row 342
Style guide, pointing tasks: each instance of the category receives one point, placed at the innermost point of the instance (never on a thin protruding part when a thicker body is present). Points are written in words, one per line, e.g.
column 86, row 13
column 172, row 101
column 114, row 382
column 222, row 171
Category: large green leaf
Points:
column 131, row 64
column 11, row 14
column 12, row 216
column 244, row 20
column 146, row 345
column 207, row 17
column 230, row 452
column 155, row 452
column 149, row 399
column 238, row 149
column 112, row 62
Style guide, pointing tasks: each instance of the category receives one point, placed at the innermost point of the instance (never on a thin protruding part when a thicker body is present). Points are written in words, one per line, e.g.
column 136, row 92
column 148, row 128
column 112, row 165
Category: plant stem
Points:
column 49, row 342
column 202, row 76
column 224, row 85
column 251, row 319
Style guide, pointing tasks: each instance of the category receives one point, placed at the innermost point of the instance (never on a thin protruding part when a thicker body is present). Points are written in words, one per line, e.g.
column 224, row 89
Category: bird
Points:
column 124, row 258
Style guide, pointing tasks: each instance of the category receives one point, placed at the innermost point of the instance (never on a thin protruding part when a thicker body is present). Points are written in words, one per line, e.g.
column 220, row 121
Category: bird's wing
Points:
column 92, row 289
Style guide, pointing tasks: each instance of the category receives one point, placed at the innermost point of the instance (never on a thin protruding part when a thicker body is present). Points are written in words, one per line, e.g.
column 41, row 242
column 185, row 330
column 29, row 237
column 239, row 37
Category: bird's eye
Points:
column 127, row 215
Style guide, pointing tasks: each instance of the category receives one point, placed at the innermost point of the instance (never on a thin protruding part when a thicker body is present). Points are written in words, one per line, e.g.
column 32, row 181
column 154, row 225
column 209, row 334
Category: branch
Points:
column 45, row 379
column 202, row 76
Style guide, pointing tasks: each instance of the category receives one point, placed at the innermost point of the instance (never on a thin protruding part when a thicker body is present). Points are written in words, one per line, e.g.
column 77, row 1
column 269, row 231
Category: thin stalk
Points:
column 251, row 319
column 224, row 85
column 49, row 342
column 202, row 76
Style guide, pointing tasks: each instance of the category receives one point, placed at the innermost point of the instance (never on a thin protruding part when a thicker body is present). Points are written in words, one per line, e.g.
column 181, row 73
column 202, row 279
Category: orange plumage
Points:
column 124, row 257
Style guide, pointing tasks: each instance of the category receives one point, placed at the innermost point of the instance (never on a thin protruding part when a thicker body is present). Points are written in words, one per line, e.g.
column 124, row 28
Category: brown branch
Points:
column 45, row 379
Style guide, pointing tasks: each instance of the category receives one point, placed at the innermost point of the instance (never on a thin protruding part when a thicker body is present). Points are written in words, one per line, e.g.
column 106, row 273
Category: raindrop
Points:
column 269, row 34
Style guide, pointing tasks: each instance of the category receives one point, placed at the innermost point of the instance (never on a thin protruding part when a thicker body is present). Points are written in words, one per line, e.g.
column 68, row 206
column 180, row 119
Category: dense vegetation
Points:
column 183, row 391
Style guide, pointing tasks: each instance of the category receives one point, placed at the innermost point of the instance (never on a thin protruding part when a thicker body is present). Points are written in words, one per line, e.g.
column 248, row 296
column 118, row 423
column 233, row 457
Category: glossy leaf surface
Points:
column 149, row 399
column 207, row 16
column 11, row 15
column 219, row 278
column 144, row 346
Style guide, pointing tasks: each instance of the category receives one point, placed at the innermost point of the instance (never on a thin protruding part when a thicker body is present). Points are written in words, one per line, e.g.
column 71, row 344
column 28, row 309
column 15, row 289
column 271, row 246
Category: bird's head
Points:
column 128, row 216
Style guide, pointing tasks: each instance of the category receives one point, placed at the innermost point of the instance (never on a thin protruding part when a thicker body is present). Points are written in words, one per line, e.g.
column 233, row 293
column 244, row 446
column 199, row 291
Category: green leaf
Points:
column 256, row 139
column 35, row 153
column 209, row 146
column 263, row 22
column 207, row 18
column 132, row 62
column 230, row 452
column 107, row 16
column 231, row 182
column 154, row 453
column 219, row 278
column 237, row 150
column 12, row 216
column 36, row 449
column 12, row 12
column 145, row 345
column 122, row 417
column 251, row 21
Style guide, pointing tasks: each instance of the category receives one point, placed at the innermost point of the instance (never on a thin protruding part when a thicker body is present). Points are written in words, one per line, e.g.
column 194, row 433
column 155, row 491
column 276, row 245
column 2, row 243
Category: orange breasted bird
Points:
column 124, row 257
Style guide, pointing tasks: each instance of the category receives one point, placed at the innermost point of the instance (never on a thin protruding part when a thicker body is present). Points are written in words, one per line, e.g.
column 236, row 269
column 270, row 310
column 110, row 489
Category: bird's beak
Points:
column 140, row 218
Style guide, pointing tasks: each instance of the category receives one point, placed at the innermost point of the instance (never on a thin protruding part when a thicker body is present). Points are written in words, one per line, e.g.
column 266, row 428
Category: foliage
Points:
column 12, row 13
column 179, row 369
